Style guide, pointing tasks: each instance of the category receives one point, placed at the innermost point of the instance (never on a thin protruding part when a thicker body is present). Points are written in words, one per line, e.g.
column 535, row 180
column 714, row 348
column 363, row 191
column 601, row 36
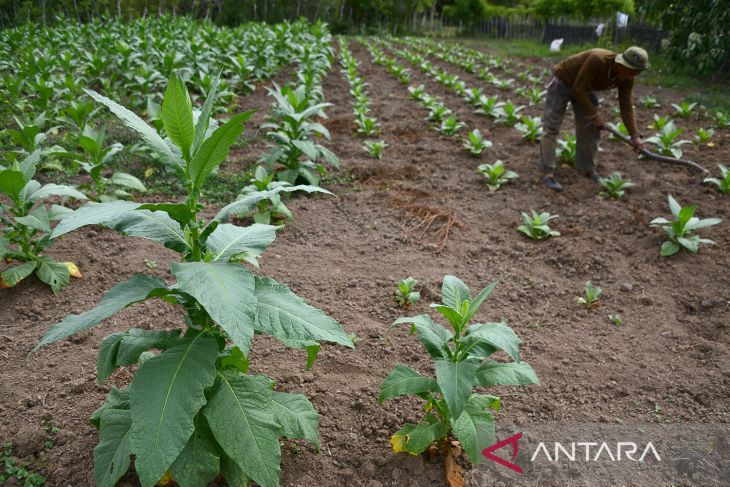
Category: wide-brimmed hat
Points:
column 634, row 58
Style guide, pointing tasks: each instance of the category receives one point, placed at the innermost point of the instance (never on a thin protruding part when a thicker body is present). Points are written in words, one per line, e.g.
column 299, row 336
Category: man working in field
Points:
column 576, row 79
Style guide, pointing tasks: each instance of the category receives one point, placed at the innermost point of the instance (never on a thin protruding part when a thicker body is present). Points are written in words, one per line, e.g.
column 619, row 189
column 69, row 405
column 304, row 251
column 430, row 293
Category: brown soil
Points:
column 345, row 255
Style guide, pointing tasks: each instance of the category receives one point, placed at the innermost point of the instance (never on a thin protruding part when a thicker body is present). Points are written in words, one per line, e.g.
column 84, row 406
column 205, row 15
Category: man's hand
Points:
column 638, row 144
column 598, row 122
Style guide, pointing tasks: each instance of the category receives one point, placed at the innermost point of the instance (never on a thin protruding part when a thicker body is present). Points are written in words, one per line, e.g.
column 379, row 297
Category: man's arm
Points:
column 625, row 103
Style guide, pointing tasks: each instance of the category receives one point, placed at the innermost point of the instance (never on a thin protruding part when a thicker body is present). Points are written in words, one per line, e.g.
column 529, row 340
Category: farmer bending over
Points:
column 575, row 81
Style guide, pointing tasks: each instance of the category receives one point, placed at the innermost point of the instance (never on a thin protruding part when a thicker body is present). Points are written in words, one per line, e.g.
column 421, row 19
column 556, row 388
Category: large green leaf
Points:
column 13, row 275
column 138, row 288
column 106, row 361
column 249, row 202
column 497, row 335
column 434, row 337
column 53, row 273
column 131, row 120
column 296, row 416
column 478, row 300
column 112, row 454
column 152, row 225
column 285, row 315
column 455, row 381
column 165, row 395
column 226, row 291
column 116, row 399
column 199, row 462
column 94, row 214
column 51, row 189
column 124, row 349
column 228, row 241
column 475, row 430
column 454, row 292
column 232, row 473
column 11, row 182
column 241, row 416
column 201, row 127
column 415, row 438
column 38, row 219
column 511, row 374
column 215, row 148
column 4, row 244
column 177, row 114
column 403, row 381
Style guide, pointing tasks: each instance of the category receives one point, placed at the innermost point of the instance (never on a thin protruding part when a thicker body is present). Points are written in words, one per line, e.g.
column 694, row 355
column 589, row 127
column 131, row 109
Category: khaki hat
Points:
column 634, row 58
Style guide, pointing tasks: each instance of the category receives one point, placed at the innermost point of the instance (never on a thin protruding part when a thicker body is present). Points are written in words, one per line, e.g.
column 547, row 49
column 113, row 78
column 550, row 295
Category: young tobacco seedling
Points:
column 462, row 359
column 679, row 230
column 271, row 208
column 722, row 183
column 489, row 106
column 475, row 143
column 367, row 126
column 496, row 175
column 510, row 114
column 535, row 95
column 451, row 126
column 25, row 226
column 616, row 319
column 649, row 102
column 416, row 92
column 98, row 156
column 704, row 136
column 684, row 109
column 666, row 140
column 405, row 295
column 536, row 225
column 659, row 122
column 294, row 153
column 566, row 150
column 193, row 412
column 615, row 185
column 590, row 295
column 438, row 113
column 722, row 120
column 375, row 148
column 530, row 128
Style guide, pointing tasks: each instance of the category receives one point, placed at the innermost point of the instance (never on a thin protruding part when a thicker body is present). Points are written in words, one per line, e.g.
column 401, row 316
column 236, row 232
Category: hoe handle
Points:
column 651, row 155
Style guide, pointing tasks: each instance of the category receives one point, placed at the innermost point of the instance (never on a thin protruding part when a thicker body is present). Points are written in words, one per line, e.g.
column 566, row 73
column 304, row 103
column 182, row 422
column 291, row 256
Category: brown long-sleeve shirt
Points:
column 591, row 70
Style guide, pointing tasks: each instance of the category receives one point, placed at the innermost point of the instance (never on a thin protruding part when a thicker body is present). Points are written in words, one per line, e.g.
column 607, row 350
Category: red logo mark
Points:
column 512, row 440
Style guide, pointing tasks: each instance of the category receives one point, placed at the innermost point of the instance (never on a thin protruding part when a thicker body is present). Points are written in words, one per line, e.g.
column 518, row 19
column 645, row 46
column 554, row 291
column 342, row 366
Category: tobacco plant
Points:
column 375, row 148
column 666, row 140
column 510, row 114
column 566, row 149
column 591, row 294
column 660, row 122
column 649, row 102
column 462, row 358
column 530, row 128
column 272, row 207
column 535, row 95
column 294, row 153
column 193, row 411
column 722, row 120
column 475, row 143
column 489, row 106
column 684, row 109
column 496, row 175
column 25, row 225
column 405, row 295
column 679, row 229
column 723, row 182
column 98, row 157
column 704, row 136
column 536, row 225
column 450, row 126
column 615, row 185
